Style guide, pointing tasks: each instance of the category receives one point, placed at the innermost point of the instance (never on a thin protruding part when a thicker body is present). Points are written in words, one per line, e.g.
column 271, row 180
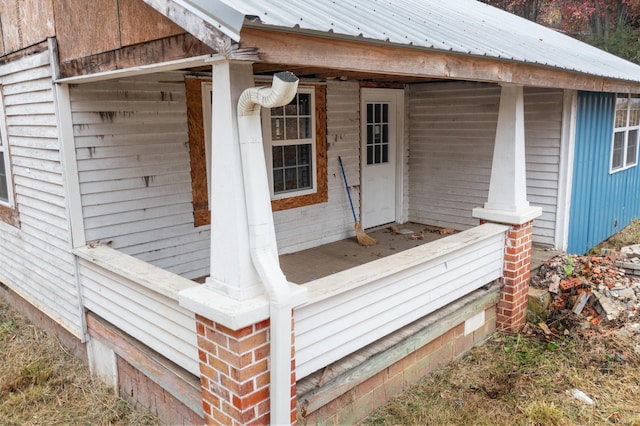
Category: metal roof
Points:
column 462, row 26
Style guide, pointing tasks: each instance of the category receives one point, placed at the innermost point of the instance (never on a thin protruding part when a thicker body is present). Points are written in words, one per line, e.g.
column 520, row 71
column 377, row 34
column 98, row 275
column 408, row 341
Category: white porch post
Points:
column 507, row 200
column 507, row 203
column 232, row 271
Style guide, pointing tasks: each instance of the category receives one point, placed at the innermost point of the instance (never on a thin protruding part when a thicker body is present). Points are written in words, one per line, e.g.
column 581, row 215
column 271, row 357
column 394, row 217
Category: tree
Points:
column 612, row 25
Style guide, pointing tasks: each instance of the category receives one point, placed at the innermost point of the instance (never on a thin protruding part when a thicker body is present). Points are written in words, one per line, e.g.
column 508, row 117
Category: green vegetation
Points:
column 522, row 380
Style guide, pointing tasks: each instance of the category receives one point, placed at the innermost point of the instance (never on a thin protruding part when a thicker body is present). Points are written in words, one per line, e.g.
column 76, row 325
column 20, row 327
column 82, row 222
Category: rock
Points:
column 624, row 293
column 607, row 309
column 630, row 252
column 538, row 303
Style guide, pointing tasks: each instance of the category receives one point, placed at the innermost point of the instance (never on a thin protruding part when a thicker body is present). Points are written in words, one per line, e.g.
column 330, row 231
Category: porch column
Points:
column 507, row 203
column 244, row 337
column 232, row 271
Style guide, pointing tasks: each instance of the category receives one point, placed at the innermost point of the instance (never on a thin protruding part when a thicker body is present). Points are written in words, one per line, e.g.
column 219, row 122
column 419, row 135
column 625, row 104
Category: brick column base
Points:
column 512, row 308
column 234, row 373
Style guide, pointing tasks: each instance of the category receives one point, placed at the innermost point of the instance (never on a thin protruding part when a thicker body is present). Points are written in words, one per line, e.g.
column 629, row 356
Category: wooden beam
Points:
column 305, row 50
column 164, row 50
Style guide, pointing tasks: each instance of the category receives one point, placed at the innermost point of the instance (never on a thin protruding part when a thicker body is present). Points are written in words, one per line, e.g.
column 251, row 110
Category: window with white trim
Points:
column 624, row 147
column 6, row 192
column 290, row 146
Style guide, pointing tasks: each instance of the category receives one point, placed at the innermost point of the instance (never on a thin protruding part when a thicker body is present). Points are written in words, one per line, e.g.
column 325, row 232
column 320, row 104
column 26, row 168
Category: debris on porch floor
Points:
column 317, row 262
column 589, row 295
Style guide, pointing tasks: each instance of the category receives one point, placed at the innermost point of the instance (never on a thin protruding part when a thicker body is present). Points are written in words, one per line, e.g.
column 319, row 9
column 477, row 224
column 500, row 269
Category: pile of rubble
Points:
column 588, row 294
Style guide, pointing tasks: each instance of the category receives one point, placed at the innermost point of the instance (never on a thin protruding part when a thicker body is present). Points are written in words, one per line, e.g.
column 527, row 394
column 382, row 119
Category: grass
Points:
column 42, row 384
column 527, row 379
column 524, row 380
column 627, row 236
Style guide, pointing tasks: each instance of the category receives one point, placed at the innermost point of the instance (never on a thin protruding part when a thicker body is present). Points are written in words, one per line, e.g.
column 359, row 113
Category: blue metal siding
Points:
column 601, row 203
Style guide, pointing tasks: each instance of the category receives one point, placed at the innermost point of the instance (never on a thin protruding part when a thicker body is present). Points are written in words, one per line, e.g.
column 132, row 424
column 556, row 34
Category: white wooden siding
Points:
column 141, row 300
column 452, row 132
column 543, row 133
column 351, row 309
column 134, row 169
column 36, row 259
column 310, row 226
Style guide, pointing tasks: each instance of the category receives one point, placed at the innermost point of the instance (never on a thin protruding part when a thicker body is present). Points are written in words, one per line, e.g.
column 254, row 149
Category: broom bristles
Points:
column 363, row 238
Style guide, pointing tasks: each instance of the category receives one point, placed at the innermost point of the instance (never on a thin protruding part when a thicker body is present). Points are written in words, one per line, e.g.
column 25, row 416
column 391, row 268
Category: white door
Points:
column 379, row 133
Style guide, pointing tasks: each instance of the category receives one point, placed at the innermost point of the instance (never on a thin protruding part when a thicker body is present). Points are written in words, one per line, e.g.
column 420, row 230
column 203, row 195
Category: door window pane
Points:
column 377, row 126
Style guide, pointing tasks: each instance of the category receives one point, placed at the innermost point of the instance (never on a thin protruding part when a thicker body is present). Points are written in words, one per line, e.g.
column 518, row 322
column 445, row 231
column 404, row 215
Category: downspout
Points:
column 262, row 238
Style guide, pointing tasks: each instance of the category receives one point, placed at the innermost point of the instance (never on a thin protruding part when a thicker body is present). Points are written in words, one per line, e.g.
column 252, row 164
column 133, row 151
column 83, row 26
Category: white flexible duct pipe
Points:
column 262, row 238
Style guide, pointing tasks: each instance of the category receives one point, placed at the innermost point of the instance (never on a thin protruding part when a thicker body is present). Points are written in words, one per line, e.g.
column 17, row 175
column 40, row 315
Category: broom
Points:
column 363, row 238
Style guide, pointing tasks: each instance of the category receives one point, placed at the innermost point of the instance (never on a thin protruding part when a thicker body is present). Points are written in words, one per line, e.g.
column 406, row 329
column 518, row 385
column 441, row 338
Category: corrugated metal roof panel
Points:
column 461, row 26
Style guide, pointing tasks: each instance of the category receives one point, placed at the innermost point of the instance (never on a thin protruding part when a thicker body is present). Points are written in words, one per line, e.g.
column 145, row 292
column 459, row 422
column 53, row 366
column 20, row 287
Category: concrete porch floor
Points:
column 317, row 262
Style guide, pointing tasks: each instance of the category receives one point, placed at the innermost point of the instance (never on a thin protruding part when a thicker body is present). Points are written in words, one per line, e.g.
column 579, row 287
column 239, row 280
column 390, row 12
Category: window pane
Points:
column 632, row 148
column 304, row 154
column 304, row 103
column 4, row 192
column 385, row 113
column 385, row 153
column 376, row 134
column 370, row 154
column 621, row 118
column 291, row 108
column 292, row 128
column 622, row 102
column 290, row 179
column 290, row 155
column 369, row 134
column 377, row 152
column 278, row 156
column 377, row 113
column 634, row 112
column 277, row 129
column 278, row 181
column 618, row 150
column 304, row 177
column 305, row 127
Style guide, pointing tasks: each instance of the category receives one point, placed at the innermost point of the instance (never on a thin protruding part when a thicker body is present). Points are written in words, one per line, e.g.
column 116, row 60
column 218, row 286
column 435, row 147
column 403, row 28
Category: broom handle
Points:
column 346, row 185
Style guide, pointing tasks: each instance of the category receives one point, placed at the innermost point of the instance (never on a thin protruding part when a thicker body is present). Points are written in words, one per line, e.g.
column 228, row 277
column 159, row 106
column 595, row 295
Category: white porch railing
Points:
column 141, row 300
column 351, row 309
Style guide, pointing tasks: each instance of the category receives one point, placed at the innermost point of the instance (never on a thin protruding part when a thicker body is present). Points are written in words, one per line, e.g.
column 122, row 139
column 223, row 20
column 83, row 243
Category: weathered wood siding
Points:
column 452, row 132
column 25, row 23
column 351, row 309
column 121, row 23
column 36, row 259
column 317, row 224
column 132, row 147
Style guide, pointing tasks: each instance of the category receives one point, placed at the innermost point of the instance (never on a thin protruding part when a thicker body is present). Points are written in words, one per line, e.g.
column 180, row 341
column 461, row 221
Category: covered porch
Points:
column 138, row 234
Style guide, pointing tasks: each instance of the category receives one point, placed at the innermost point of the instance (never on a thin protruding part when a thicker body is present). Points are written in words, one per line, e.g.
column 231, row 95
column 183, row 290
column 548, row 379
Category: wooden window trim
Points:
column 197, row 154
column 322, row 193
column 197, row 151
